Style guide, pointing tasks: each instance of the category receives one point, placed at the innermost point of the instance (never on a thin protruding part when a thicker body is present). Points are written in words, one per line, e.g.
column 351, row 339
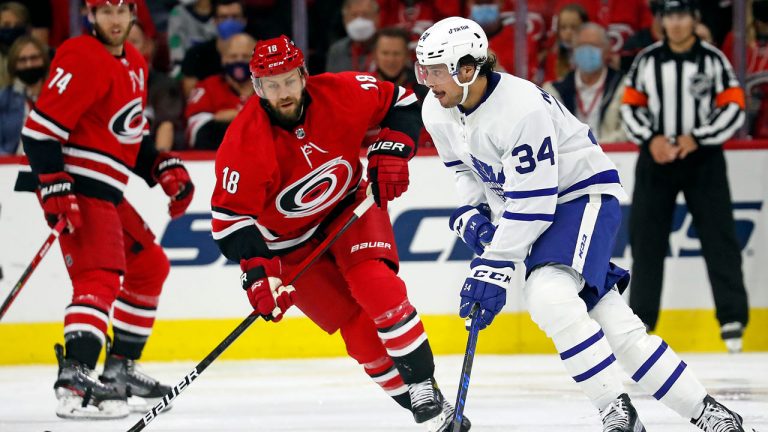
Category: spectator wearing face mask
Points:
column 216, row 100
column 501, row 35
column 28, row 62
column 353, row 52
column 592, row 91
column 558, row 61
column 416, row 16
column 190, row 23
column 14, row 23
column 204, row 59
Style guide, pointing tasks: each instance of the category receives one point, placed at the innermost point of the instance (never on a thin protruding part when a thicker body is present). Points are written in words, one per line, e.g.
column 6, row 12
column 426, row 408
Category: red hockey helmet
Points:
column 97, row 3
column 276, row 56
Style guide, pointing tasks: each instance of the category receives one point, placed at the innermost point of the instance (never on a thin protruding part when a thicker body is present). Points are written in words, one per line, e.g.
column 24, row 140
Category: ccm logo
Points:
column 387, row 145
column 582, row 245
column 367, row 245
column 275, row 64
column 501, row 277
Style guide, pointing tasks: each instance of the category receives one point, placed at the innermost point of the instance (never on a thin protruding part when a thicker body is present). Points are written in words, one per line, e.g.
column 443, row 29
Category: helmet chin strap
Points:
column 465, row 86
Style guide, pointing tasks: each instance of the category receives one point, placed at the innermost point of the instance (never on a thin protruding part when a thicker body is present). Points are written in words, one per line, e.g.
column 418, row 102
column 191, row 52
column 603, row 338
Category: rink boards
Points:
column 202, row 301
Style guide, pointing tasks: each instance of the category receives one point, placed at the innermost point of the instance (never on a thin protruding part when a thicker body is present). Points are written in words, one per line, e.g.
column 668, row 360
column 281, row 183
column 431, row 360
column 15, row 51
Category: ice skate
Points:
column 430, row 407
column 621, row 416
column 141, row 390
column 82, row 396
column 718, row 418
column 732, row 334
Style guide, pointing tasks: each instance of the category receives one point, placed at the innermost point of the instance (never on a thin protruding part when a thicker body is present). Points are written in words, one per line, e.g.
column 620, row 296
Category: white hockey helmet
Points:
column 445, row 43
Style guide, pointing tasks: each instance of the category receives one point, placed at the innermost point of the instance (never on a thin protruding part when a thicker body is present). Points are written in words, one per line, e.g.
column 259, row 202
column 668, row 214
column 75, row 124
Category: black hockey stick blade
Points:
column 466, row 369
column 223, row 345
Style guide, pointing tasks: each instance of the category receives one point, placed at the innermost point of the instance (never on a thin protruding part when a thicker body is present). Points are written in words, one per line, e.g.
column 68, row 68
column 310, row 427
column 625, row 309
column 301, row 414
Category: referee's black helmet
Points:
column 675, row 6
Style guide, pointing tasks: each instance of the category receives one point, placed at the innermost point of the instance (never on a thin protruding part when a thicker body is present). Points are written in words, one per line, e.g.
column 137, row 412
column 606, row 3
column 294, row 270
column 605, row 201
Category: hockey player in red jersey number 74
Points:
column 84, row 137
column 288, row 168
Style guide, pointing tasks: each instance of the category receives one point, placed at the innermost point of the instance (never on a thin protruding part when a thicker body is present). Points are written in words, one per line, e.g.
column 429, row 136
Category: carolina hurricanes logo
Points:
column 127, row 125
column 316, row 191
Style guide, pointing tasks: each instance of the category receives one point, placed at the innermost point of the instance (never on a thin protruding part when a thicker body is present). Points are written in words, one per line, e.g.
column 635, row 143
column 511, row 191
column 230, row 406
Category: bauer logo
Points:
column 422, row 235
column 370, row 245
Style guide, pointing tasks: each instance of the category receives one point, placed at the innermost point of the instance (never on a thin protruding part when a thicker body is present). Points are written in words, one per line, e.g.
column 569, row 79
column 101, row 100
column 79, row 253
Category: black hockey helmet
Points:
column 674, row 6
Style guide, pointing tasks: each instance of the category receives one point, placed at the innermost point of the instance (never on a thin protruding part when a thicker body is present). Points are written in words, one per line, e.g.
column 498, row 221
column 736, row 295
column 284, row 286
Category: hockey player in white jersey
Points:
column 539, row 195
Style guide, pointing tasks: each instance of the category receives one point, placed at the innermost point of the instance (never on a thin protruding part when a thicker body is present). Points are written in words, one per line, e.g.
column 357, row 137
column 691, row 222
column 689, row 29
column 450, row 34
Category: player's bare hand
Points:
column 662, row 150
column 687, row 145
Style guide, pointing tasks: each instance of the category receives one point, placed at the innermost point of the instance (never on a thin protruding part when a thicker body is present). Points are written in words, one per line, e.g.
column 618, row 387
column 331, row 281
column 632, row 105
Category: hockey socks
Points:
column 384, row 373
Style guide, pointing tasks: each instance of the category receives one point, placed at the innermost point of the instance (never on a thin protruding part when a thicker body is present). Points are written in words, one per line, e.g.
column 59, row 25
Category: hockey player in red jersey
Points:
column 84, row 137
column 288, row 167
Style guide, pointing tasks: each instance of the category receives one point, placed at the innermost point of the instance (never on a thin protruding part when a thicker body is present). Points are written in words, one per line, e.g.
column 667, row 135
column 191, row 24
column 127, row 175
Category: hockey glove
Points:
column 58, row 200
column 388, row 165
column 487, row 285
column 472, row 225
column 266, row 292
column 170, row 172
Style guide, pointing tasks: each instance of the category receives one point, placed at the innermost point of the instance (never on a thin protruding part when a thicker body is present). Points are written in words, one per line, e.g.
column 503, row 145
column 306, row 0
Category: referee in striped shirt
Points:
column 682, row 102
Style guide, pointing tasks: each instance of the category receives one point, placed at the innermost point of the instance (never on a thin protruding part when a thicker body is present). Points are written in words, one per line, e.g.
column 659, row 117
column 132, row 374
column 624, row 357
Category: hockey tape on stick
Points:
column 466, row 369
column 55, row 233
column 223, row 345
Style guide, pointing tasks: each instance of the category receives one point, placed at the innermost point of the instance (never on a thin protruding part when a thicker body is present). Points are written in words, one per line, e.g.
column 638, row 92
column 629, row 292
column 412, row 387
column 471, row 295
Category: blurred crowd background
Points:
column 198, row 51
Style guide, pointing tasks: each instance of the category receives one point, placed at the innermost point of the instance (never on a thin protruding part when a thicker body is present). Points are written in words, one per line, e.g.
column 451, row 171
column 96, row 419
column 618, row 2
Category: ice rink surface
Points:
column 507, row 393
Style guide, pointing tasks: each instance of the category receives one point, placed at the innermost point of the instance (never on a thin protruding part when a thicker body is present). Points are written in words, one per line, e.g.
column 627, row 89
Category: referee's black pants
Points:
column 703, row 179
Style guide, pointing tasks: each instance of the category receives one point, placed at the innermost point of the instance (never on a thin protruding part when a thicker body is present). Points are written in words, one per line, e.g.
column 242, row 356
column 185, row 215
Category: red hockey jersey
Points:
column 93, row 104
column 286, row 182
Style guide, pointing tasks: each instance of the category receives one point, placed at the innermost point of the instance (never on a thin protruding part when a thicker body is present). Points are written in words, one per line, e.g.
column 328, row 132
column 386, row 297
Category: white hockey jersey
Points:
column 522, row 152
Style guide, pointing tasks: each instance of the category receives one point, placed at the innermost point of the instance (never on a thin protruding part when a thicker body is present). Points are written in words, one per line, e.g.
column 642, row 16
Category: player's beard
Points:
column 107, row 39
column 288, row 118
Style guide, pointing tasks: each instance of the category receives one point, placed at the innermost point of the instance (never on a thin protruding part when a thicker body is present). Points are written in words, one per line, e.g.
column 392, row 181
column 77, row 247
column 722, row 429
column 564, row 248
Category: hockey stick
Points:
column 466, row 369
column 55, row 233
column 223, row 345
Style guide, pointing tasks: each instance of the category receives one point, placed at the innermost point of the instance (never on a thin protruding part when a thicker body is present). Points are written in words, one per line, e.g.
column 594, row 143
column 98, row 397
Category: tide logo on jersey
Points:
column 127, row 125
column 369, row 245
column 317, row 190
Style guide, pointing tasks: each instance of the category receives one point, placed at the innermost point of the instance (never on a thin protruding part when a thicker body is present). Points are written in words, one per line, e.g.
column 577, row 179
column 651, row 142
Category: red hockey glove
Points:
column 58, row 200
column 388, row 165
column 170, row 172
column 266, row 292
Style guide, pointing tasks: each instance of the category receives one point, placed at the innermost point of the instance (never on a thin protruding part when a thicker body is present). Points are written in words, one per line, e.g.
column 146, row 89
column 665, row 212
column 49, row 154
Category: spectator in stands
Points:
column 593, row 91
column 757, row 68
column 190, row 23
column 621, row 18
column 204, row 59
column 416, row 16
column 14, row 23
column 40, row 18
column 501, row 35
column 353, row 52
column 28, row 63
column 216, row 100
column 392, row 59
column 558, row 61
column 165, row 102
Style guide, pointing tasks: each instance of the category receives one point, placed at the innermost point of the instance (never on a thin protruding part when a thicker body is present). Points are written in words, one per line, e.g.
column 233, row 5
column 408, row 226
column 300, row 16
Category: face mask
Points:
column 361, row 29
column 230, row 27
column 239, row 71
column 588, row 58
column 9, row 35
column 484, row 13
column 32, row 75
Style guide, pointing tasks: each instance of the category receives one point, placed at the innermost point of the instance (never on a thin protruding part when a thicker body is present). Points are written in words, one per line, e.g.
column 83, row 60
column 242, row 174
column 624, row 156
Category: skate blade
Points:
column 438, row 423
column 71, row 407
column 138, row 404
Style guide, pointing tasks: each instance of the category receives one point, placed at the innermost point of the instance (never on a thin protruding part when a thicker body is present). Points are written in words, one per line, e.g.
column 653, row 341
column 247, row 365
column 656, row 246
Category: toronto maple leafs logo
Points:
column 494, row 181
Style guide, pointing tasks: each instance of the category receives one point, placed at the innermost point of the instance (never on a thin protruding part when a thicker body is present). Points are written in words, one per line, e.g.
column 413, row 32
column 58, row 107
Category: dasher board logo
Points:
column 127, row 125
column 316, row 191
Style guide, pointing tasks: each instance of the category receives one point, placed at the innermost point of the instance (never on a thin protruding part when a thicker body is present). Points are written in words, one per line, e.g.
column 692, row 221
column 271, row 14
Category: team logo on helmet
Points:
column 127, row 125
column 317, row 190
